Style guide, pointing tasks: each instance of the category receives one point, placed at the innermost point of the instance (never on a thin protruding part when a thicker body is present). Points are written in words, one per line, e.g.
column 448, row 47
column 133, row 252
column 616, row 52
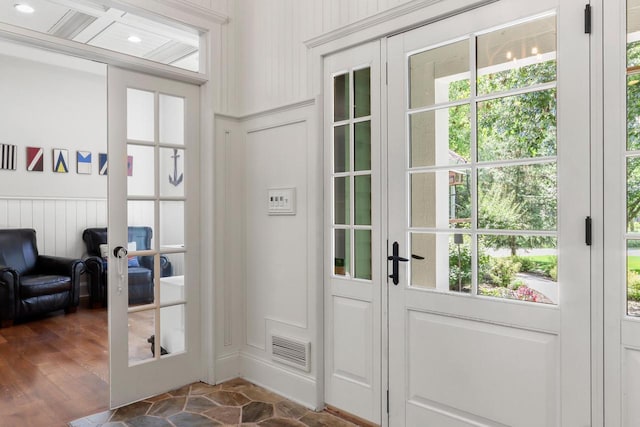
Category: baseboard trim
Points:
column 265, row 373
column 227, row 367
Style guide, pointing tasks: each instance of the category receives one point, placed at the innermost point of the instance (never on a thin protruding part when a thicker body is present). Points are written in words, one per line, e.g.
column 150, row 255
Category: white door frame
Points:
column 210, row 24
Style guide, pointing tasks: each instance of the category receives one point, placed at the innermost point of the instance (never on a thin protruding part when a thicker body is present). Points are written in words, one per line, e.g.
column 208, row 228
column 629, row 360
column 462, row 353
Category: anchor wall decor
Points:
column 175, row 180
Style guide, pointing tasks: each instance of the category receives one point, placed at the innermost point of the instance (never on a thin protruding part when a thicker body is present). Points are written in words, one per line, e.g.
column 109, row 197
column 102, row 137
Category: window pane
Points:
column 362, row 188
column 518, row 197
column 172, row 221
column 362, row 92
column 362, row 149
column 141, row 214
column 439, row 75
column 140, row 170
column 171, row 119
column 441, row 199
column 141, row 329
column 517, row 127
column 633, row 194
column 341, row 159
column 441, row 261
column 341, row 97
column 172, row 177
column 342, row 201
column 140, row 115
column 172, row 327
column 342, row 253
column 633, row 277
column 441, row 137
column 363, row 254
column 633, row 110
column 518, row 267
column 518, row 56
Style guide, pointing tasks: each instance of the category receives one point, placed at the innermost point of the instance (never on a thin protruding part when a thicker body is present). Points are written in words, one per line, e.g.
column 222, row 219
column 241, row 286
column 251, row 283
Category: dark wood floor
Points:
column 54, row 370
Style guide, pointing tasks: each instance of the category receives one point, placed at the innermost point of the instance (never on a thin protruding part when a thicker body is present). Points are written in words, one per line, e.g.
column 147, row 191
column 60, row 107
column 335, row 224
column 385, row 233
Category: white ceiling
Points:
column 108, row 28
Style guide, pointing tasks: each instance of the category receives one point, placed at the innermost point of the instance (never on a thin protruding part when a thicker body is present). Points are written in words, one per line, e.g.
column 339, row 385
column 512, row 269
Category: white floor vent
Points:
column 291, row 352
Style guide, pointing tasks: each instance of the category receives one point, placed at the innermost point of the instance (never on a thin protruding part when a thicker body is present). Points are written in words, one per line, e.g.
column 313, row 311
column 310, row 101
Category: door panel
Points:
column 154, row 314
column 488, row 189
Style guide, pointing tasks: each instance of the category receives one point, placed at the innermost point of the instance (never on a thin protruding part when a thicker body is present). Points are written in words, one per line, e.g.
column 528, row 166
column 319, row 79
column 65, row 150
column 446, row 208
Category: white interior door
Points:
column 353, row 276
column 153, row 290
column 488, row 159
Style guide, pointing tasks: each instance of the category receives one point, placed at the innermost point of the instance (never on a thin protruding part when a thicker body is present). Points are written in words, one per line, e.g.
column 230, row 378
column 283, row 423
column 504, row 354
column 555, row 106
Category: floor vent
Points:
column 290, row 352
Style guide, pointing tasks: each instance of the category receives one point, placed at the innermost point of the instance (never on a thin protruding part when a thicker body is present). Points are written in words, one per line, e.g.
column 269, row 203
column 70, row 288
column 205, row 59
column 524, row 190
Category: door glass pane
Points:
column 171, row 119
column 362, row 188
column 633, row 101
column 172, row 177
column 341, row 158
column 518, row 267
column 439, row 75
column 171, row 265
column 441, row 199
column 142, row 329
column 342, row 253
column 437, row 262
column 140, row 115
column 517, row 127
column 518, row 56
column 172, row 328
column 341, row 97
column 362, row 148
column 460, row 279
column 172, row 224
column 362, row 254
column 518, row 197
column 342, row 201
column 441, row 137
column 140, row 170
column 141, row 214
column 633, row 194
column 362, row 92
column 633, row 277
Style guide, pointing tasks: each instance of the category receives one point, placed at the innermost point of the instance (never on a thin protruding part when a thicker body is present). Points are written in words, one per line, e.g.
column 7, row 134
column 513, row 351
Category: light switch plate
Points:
column 281, row 201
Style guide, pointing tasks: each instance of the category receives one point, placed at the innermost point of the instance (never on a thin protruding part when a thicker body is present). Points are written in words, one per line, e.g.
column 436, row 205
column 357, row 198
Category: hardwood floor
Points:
column 54, row 369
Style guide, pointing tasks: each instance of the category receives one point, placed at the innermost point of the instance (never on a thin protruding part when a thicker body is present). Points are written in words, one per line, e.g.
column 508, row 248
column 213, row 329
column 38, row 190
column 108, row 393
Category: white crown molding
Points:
column 268, row 112
column 196, row 10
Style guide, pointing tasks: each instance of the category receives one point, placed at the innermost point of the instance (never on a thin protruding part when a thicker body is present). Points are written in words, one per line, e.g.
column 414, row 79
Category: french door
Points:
column 488, row 192
column 153, row 286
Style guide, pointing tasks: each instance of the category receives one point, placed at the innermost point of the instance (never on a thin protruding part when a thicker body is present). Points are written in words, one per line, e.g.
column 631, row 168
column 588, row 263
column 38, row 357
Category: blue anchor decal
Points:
column 175, row 180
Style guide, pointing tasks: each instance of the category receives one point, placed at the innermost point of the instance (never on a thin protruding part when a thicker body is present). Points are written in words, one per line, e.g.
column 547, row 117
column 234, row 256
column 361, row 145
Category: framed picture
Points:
column 83, row 165
column 8, row 156
column 103, row 163
column 60, row 160
column 35, row 159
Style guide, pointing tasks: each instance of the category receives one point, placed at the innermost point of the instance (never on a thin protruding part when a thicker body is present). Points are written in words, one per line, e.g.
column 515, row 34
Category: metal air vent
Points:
column 291, row 352
column 71, row 24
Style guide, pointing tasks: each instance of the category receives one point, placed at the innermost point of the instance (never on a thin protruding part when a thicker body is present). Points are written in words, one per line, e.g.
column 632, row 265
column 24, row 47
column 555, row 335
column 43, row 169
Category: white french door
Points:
column 488, row 192
column 153, row 291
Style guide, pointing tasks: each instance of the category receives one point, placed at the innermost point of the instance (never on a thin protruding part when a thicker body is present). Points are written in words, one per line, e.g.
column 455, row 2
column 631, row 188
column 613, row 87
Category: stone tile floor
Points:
column 233, row 403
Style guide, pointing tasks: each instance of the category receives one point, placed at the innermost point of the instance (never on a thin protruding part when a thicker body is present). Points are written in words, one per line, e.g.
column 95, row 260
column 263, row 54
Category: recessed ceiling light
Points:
column 24, row 8
column 134, row 39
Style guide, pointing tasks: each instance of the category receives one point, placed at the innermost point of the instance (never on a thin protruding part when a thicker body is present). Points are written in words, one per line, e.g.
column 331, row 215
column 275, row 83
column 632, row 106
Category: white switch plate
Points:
column 281, row 201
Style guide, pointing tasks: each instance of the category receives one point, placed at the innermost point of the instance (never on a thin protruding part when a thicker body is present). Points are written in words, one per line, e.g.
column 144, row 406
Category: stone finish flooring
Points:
column 233, row 403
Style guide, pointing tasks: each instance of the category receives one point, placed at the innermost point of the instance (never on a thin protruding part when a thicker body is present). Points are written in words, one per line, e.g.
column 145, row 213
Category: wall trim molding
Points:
column 196, row 10
column 72, row 199
column 296, row 387
column 228, row 367
column 268, row 112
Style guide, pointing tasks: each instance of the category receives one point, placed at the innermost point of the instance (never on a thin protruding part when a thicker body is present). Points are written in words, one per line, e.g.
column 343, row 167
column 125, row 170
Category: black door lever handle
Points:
column 396, row 259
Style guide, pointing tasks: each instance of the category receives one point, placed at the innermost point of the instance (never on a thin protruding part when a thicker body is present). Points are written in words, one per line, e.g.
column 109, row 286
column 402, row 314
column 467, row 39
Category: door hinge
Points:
column 387, row 401
column 587, row 230
column 587, row 19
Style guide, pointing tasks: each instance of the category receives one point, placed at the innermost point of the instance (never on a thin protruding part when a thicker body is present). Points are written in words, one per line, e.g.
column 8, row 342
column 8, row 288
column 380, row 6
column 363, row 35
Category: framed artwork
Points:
column 103, row 163
column 83, row 162
column 129, row 165
column 35, row 159
column 60, row 160
column 8, row 156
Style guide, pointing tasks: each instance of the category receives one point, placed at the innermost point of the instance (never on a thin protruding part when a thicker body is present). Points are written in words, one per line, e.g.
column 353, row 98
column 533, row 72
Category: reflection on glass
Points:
column 633, row 278
column 518, row 267
column 517, row 127
column 341, row 161
column 362, row 255
column 518, row 197
column 441, row 137
column 362, row 188
column 171, row 119
column 172, row 329
column 341, row 97
column 439, row 75
column 362, row 92
column 518, row 56
column 441, row 199
column 341, row 201
column 362, row 149
column 172, row 221
column 342, row 253
column 172, row 172
column 141, row 331
column 140, row 115
column 140, row 170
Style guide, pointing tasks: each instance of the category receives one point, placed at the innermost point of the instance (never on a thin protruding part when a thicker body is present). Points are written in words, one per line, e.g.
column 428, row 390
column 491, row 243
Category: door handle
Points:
column 119, row 252
column 396, row 259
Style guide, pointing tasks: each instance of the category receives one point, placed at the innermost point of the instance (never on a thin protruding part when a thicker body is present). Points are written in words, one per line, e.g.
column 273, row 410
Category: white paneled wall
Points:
column 59, row 223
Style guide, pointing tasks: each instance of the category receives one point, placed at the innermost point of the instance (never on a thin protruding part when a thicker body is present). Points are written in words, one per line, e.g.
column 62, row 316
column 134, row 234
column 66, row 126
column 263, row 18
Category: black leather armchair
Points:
column 140, row 278
column 33, row 284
